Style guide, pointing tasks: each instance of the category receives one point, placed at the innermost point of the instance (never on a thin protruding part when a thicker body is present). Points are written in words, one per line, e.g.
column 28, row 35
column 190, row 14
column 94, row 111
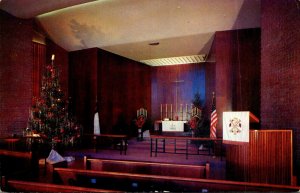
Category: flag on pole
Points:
column 213, row 118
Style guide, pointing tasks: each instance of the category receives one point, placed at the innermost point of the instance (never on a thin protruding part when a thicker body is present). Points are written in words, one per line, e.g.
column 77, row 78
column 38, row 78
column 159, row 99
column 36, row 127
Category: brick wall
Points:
column 16, row 58
column 280, row 60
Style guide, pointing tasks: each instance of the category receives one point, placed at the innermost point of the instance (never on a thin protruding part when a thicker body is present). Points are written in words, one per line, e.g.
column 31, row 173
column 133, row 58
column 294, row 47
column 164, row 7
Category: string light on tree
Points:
column 49, row 116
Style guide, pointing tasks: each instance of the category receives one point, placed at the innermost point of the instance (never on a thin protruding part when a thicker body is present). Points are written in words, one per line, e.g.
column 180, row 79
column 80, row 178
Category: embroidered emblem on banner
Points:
column 235, row 126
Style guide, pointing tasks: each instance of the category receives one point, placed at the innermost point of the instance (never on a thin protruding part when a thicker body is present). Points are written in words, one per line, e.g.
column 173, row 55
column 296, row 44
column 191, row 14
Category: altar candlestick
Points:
column 180, row 107
column 171, row 108
column 166, row 110
column 161, row 113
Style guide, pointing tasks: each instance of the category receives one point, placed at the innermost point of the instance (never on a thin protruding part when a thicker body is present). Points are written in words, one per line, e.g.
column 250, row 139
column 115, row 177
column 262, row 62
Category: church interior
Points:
column 150, row 96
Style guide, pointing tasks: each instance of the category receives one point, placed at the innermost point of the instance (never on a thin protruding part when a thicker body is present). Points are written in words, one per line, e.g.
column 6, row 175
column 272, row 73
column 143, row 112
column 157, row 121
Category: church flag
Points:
column 213, row 119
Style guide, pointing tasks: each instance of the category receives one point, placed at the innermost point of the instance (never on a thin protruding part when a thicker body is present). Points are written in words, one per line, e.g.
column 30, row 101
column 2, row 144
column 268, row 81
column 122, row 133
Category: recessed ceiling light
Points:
column 153, row 43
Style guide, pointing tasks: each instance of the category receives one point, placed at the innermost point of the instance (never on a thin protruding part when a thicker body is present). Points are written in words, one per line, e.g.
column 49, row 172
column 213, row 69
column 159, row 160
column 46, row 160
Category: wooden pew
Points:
column 152, row 168
column 120, row 181
column 26, row 186
column 18, row 164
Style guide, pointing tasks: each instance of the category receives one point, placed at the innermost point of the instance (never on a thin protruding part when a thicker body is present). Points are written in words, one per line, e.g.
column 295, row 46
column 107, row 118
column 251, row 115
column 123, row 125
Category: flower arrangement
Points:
column 140, row 121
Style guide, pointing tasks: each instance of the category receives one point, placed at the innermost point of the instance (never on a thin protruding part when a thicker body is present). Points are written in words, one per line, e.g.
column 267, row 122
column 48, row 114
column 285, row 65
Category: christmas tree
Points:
column 49, row 117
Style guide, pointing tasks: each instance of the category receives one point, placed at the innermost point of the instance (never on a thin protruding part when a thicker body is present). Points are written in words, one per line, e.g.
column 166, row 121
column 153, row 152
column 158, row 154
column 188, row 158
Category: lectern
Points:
column 259, row 156
column 236, row 125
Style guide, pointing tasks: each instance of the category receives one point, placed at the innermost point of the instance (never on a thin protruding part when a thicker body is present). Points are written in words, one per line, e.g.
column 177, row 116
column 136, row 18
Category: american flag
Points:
column 213, row 119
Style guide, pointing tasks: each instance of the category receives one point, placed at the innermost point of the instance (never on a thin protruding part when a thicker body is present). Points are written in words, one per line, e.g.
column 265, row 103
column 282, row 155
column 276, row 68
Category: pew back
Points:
column 152, row 168
column 143, row 182
column 26, row 186
column 17, row 164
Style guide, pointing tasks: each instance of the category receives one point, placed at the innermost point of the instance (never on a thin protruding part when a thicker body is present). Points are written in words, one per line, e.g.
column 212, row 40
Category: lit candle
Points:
column 180, row 107
column 53, row 56
column 186, row 108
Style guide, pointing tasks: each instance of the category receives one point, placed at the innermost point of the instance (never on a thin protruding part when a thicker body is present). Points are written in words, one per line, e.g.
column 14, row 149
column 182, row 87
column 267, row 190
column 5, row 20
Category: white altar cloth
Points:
column 173, row 126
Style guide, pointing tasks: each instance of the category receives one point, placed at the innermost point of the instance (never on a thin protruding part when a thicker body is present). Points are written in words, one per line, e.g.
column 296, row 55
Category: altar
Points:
column 173, row 126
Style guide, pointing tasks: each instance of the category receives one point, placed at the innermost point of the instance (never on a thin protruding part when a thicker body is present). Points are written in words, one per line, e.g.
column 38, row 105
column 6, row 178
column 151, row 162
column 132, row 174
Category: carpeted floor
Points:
column 140, row 151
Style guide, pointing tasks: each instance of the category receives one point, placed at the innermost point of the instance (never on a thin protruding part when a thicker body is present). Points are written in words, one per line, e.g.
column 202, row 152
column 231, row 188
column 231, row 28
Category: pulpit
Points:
column 259, row 156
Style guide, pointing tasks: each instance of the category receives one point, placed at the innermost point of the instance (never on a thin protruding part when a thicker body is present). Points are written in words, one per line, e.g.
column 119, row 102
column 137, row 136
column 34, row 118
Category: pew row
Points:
column 152, row 168
column 119, row 181
column 18, row 164
column 25, row 186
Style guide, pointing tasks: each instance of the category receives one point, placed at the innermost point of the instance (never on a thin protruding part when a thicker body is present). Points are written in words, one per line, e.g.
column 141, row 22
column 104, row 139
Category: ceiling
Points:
column 156, row 32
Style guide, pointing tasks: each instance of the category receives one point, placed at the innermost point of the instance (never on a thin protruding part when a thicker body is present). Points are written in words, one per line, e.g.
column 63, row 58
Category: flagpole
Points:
column 213, row 118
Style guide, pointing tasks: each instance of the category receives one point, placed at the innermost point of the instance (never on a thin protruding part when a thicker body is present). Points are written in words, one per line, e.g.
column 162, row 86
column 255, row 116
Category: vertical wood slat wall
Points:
column 39, row 53
column 266, row 159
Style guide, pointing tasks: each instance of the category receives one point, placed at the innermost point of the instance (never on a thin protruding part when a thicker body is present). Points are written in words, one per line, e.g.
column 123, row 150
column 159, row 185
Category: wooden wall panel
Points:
column 39, row 60
column 237, row 72
column 123, row 87
column 163, row 88
column 266, row 159
column 83, row 86
column 119, row 85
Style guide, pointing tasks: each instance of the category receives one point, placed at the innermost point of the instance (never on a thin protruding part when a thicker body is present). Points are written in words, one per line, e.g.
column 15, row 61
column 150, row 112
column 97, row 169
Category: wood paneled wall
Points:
column 123, row 87
column 237, row 72
column 266, row 159
column 190, row 80
column 120, row 86
column 39, row 59
column 83, row 85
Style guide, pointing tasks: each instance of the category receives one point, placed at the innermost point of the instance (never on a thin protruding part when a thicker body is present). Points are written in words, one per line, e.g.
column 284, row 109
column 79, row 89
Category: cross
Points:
column 176, row 91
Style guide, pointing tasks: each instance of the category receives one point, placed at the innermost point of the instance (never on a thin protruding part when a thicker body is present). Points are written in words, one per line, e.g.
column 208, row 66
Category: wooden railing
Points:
column 121, row 141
